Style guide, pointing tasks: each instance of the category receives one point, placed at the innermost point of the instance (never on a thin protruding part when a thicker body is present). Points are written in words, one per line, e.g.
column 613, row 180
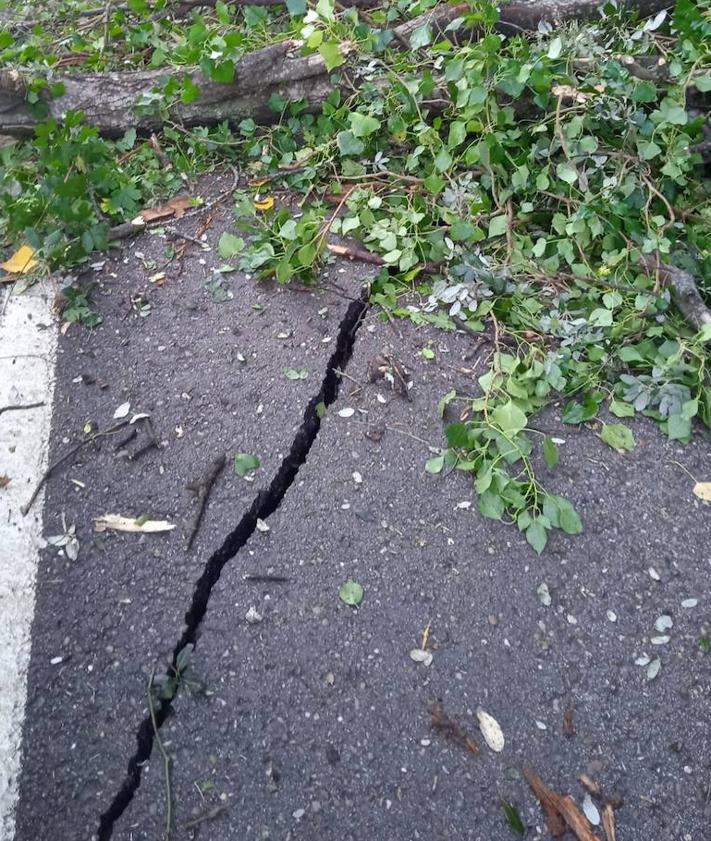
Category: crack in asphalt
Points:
column 264, row 505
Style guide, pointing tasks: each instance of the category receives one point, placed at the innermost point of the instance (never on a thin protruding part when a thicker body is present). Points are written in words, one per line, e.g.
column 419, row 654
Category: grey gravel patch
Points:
column 211, row 377
column 316, row 721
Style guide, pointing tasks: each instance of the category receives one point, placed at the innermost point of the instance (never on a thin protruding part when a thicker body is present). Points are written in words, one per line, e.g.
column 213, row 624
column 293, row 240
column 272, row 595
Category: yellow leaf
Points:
column 703, row 491
column 21, row 262
column 264, row 204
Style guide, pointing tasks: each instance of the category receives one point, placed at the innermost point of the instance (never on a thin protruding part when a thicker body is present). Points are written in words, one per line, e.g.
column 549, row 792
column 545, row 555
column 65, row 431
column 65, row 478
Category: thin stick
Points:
column 263, row 579
column 166, row 764
column 52, row 467
column 18, row 407
column 202, row 487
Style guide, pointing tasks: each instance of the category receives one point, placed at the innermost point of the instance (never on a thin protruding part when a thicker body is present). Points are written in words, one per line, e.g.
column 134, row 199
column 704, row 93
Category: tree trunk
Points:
column 109, row 100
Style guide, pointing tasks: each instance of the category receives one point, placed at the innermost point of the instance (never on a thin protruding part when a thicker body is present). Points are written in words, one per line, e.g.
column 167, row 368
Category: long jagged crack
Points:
column 264, row 505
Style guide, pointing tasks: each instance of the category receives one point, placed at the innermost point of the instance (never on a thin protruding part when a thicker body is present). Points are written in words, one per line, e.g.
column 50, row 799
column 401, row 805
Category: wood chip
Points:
column 608, row 822
column 115, row 522
column 560, row 811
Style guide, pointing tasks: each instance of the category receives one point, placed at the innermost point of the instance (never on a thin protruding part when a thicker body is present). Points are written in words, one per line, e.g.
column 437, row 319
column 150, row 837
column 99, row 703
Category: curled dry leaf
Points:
column 442, row 723
column 419, row 655
column 490, row 730
column 21, row 262
column 703, row 491
column 115, row 522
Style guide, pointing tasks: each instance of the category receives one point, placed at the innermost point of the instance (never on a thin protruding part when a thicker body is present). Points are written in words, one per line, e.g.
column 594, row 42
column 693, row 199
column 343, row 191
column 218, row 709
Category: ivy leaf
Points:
column 348, row 143
column 331, row 54
column 618, row 436
column 229, row 246
column 555, row 48
column 497, row 226
column 567, row 172
column 351, row 593
column 421, row 37
column 434, row 465
column 702, row 83
column 245, row 463
column 363, row 125
column 648, row 149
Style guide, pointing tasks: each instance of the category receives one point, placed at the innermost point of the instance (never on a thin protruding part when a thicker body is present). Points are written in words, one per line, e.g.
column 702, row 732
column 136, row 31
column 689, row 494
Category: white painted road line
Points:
column 28, row 348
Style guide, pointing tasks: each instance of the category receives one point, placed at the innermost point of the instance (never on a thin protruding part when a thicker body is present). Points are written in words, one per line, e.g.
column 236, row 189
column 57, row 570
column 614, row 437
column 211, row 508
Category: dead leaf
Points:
column 264, row 204
column 568, row 726
column 444, row 724
column 703, row 491
column 21, row 262
column 490, row 730
column 174, row 208
column 4, row 481
column 116, row 522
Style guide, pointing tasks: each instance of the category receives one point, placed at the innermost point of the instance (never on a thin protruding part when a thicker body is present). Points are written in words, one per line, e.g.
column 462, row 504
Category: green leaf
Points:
column 537, row 535
column 229, row 245
column 678, row 427
column 351, row 593
column 567, row 172
column 513, row 819
column 673, row 113
column 702, row 83
column 498, row 225
column 509, row 418
column 555, row 48
column 331, row 53
column 491, row 505
column 442, row 404
column 223, row 72
column 457, row 134
column 428, row 353
column 618, row 436
column 443, row 160
column 293, row 374
column 296, row 8
column 435, row 464
column 648, row 149
column 325, row 9
column 568, row 518
column 621, row 410
column 421, row 37
column 245, row 463
column 600, row 317
column 550, row 452
column 363, row 125
column 348, row 143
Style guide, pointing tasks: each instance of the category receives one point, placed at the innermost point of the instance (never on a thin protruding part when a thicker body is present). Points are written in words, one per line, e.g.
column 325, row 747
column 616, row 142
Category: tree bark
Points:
column 109, row 100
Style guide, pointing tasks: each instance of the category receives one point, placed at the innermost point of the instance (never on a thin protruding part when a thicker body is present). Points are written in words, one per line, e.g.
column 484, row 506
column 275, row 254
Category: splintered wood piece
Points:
column 568, row 726
column 560, row 811
column 608, row 822
column 589, row 784
column 450, row 728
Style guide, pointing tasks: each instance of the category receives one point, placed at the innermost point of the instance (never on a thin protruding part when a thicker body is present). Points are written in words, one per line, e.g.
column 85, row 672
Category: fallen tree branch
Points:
column 684, row 291
column 109, row 100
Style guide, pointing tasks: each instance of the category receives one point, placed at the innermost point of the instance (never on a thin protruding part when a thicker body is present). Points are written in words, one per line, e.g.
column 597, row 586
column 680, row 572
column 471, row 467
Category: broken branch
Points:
column 683, row 288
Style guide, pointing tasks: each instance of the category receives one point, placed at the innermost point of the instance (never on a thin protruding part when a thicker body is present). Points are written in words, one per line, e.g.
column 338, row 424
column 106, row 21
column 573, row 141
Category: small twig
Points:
column 207, row 815
column 16, row 408
column 326, row 227
column 509, row 230
column 160, row 154
column 52, row 467
column 166, row 764
column 202, row 487
column 263, row 579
